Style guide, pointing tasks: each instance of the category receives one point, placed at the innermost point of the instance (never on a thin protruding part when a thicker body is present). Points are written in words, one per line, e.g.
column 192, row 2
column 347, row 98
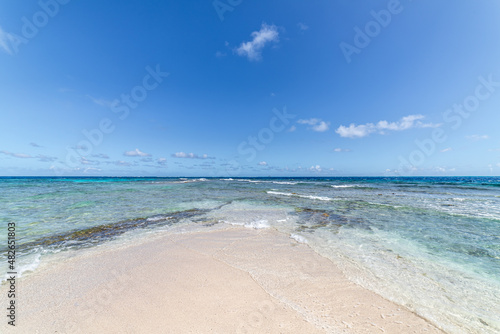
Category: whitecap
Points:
column 155, row 219
column 26, row 265
column 321, row 198
column 345, row 186
column 259, row 224
column 300, row 239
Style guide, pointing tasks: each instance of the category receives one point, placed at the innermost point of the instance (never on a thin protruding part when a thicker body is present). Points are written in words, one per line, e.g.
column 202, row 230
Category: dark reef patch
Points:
column 98, row 234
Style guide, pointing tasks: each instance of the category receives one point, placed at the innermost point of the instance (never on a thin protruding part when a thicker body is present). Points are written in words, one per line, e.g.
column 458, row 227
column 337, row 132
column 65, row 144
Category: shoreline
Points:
column 234, row 279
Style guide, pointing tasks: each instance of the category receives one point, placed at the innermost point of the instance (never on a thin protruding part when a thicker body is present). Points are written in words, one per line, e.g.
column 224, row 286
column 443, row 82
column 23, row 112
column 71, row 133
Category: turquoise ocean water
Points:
column 431, row 244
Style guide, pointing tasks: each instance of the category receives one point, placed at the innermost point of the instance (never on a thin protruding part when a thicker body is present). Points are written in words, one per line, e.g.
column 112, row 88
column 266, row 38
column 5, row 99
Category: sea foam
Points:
column 321, row 198
column 300, row 239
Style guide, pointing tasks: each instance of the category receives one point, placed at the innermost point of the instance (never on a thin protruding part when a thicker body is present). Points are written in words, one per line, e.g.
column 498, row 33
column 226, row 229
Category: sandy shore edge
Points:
column 234, row 280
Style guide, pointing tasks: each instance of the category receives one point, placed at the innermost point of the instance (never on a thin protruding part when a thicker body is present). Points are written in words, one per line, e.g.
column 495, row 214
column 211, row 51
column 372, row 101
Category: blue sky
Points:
column 249, row 88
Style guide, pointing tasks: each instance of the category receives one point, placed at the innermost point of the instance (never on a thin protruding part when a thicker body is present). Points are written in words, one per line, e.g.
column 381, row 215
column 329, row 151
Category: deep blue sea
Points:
column 431, row 244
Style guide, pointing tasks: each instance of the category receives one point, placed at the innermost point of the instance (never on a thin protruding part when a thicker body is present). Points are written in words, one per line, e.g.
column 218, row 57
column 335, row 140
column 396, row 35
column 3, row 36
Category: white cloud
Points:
column 162, row 161
column 45, row 158
column 5, row 39
column 35, row 145
column 100, row 155
column 363, row 130
column 40, row 157
column 292, row 128
column 262, row 163
column 253, row 49
column 444, row 169
column 354, row 131
column 183, row 155
column 17, row 155
column 121, row 163
column 446, row 150
column 477, row 137
column 136, row 153
column 191, row 156
column 321, row 127
column 316, row 124
column 310, row 121
column 85, row 161
column 302, row 26
column 341, row 150
column 316, row 168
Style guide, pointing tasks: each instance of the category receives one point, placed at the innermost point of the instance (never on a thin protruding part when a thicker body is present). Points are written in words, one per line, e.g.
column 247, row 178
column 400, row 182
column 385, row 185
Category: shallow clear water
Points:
column 431, row 244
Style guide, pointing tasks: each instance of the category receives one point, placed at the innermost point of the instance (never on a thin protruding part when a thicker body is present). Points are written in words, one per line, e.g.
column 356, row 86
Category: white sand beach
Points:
column 234, row 280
